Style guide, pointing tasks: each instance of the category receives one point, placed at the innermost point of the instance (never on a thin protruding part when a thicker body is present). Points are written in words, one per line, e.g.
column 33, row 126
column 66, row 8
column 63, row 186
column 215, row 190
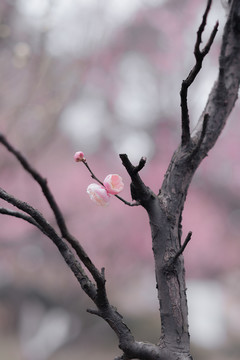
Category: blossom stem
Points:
column 134, row 203
column 92, row 174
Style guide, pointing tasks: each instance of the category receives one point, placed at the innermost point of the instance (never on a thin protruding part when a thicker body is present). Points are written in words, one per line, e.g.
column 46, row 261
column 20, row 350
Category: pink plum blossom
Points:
column 98, row 194
column 79, row 156
column 113, row 183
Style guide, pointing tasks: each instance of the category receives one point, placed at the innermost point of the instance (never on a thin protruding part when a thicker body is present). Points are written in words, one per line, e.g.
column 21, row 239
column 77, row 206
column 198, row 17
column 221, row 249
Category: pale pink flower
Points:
column 79, row 156
column 113, row 183
column 98, row 194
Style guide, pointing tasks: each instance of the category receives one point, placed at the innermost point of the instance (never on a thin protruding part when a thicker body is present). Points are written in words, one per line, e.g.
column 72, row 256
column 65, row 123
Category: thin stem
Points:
column 92, row 174
column 199, row 56
column 20, row 215
column 181, row 250
column 49, row 231
column 40, row 180
column 135, row 203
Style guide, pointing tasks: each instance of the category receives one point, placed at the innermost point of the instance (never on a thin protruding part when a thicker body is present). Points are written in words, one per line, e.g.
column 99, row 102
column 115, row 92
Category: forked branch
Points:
column 56, row 210
column 20, row 215
column 140, row 192
column 199, row 56
column 34, row 216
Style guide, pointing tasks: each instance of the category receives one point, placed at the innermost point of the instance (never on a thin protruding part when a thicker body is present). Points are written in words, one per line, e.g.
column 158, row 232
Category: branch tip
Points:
column 199, row 56
column 140, row 165
column 201, row 29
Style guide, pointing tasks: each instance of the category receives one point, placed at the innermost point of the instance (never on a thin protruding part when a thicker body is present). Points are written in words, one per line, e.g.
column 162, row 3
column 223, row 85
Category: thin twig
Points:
column 199, row 56
column 40, row 180
column 48, row 230
column 20, row 215
column 169, row 266
column 181, row 250
column 56, row 210
column 135, row 203
column 91, row 172
column 97, row 294
column 140, row 165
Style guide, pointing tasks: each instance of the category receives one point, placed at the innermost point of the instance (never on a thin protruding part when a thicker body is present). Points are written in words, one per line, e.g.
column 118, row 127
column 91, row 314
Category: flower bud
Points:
column 98, row 194
column 79, row 156
column 113, row 184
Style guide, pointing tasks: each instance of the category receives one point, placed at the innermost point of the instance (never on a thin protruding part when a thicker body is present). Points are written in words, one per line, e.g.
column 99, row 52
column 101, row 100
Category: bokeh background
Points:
column 103, row 76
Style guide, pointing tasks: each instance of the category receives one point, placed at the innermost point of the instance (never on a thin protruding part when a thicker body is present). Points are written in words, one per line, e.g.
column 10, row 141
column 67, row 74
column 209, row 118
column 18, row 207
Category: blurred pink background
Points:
column 103, row 76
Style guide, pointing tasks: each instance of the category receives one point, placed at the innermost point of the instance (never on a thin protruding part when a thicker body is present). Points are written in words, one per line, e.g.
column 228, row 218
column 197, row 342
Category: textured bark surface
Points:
column 165, row 209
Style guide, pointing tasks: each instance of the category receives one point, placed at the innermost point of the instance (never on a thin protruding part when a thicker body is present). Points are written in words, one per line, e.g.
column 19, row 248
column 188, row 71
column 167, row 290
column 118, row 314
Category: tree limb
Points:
column 219, row 105
column 48, row 230
column 199, row 56
column 97, row 294
column 20, row 215
column 224, row 94
column 140, row 192
column 56, row 210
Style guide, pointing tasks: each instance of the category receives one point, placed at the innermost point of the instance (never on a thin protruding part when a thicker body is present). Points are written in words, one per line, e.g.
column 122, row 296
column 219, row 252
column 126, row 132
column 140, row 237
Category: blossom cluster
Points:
column 100, row 194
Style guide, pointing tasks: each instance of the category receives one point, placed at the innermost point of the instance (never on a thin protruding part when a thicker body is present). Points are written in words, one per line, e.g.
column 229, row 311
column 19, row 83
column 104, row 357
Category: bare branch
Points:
column 134, row 203
column 140, row 192
column 219, row 105
column 97, row 294
column 140, row 165
column 199, row 56
column 40, row 180
column 200, row 31
column 224, row 94
column 48, row 230
column 181, row 250
column 20, row 215
column 56, row 210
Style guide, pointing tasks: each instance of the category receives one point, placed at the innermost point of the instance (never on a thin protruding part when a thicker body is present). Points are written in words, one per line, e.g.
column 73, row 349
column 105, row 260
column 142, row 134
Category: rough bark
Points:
column 165, row 209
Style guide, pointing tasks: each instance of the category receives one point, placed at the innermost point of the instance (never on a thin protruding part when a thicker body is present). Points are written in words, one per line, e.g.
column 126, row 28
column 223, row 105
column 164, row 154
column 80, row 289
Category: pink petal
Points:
column 113, row 183
column 98, row 194
column 79, row 156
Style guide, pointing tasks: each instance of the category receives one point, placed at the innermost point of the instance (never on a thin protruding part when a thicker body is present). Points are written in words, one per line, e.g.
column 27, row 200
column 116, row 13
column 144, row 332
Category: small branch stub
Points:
column 140, row 192
column 179, row 252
